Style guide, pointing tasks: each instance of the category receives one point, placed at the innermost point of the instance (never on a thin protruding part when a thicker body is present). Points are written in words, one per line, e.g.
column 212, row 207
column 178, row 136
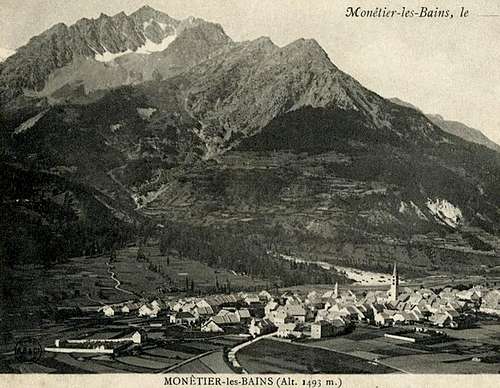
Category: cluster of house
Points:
column 319, row 315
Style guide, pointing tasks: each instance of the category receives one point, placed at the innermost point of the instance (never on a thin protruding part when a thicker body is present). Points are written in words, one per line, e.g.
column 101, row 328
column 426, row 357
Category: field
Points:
column 453, row 355
column 271, row 356
column 202, row 355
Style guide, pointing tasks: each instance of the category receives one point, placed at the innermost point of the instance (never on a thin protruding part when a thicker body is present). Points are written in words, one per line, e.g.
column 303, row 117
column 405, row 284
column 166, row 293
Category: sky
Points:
column 445, row 66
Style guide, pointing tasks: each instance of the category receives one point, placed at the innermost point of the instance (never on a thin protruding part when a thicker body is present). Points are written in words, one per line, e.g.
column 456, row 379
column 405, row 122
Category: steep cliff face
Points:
column 101, row 40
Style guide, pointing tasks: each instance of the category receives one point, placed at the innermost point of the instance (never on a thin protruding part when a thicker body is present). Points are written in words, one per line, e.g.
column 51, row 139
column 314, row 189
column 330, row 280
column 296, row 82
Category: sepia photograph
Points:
column 240, row 193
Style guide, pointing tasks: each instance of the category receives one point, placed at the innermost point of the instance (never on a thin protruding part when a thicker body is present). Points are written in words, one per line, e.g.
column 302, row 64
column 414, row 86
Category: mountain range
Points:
column 143, row 116
column 455, row 127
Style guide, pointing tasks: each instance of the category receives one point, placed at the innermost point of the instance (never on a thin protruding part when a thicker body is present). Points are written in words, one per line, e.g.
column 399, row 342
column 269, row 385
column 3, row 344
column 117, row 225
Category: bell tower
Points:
column 394, row 290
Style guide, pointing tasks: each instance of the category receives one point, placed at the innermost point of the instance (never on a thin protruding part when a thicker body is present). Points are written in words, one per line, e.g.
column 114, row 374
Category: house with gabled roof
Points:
column 244, row 315
column 147, row 310
column 210, row 326
column 270, row 306
column 278, row 316
column 441, row 320
column 261, row 326
column 183, row 318
column 404, row 317
column 265, row 296
column 129, row 307
column 108, row 311
column 491, row 302
column 325, row 329
column 202, row 311
column 285, row 330
column 296, row 312
column 384, row 318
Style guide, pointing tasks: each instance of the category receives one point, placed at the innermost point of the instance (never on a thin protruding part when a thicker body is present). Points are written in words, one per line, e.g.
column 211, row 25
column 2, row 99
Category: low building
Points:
column 211, row 326
column 325, row 329
column 295, row 312
column 101, row 340
column 404, row 317
column 183, row 318
column 245, row 316
column 147, row 310
column 260, row 327
column 108, row 311
column 278, row 316
column 285, row 330
column 129, row 307
column 491, row 303
column 384, row 318
column 270, row 306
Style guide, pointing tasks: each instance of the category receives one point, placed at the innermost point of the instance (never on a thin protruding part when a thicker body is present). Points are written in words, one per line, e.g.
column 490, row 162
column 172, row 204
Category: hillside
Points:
column 459, row 129
column 276, row 143
column 455, row 128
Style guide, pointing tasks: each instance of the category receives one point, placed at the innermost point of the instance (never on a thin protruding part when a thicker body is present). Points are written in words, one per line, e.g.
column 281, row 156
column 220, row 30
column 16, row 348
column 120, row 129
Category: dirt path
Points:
column 118, row 283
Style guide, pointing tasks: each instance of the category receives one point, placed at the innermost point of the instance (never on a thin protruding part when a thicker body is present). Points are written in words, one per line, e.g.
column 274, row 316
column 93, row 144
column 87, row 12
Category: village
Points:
column 402, row 313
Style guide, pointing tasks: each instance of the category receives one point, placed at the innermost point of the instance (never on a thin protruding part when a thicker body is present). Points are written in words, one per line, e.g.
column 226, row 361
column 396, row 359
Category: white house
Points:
column 384, row 318
column 182, row 318
column 211, row 327
column 265, row 296
column 491, row 302
column 146, row 310
column 296, row 312
column 259, row 327
column 285, row 329
column 278, row 316
column 108, row 311
column 270, row 306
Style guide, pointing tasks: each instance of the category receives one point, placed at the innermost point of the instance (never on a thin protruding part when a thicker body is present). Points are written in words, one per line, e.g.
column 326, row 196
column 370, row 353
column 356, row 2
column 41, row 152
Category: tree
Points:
column 140, row 254
column 157, row 76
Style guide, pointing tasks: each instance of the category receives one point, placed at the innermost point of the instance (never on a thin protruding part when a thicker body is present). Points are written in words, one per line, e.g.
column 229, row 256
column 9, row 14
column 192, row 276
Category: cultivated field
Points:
column 271, row 356
column 453, row 355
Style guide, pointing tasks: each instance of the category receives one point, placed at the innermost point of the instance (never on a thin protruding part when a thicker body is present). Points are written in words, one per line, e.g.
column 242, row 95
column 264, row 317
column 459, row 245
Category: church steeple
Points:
column 394, row 290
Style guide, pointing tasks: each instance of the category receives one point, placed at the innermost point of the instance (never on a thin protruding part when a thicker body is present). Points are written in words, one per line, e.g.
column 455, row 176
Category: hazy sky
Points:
column 446, row 66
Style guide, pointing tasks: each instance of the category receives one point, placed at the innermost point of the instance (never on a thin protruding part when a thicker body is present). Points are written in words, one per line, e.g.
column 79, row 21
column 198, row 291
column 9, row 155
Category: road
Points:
column 232, row 353
column 118, row 283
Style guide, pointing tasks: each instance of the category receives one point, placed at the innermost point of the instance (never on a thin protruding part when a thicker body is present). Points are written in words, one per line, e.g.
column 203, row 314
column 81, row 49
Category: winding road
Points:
column 118, row 283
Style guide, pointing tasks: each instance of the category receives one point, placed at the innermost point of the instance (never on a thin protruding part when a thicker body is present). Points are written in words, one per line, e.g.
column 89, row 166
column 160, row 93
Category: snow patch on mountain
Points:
column 109, row 56
column 149, row 47
column 152, row 47
column 445, row 212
